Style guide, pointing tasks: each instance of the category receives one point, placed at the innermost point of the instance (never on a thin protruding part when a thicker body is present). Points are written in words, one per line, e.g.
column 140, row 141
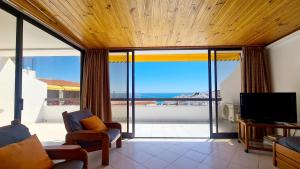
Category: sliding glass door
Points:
column 50, row 83
column 121, row 88
column 225, row 92
column 176, row 93
column 171, row 93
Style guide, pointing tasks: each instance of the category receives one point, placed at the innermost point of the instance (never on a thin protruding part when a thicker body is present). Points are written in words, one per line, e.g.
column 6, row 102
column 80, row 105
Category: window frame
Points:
column 21, row 17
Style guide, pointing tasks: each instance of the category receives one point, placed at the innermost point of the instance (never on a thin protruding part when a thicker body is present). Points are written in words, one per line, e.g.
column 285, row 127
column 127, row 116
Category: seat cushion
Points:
column 112, row 133
column 26, row 154
column 73, row 164
column 291, row 142
column 13, row 134
column 75, row 117
column 93, row 123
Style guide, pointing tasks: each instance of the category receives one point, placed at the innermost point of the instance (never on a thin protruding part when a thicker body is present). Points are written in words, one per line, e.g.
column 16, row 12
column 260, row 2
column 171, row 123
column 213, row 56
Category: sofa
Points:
column 286, row 153
column 73, row 156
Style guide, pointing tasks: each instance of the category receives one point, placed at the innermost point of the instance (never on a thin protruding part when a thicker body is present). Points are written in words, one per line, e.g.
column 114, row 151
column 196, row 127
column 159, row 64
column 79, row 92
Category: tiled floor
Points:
column 182, row 154
column 55, row 132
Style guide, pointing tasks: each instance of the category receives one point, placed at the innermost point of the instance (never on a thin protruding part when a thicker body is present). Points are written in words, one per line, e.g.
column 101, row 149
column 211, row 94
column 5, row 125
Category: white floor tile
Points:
column 179, row 149
column 154, row 150
column 202, row 166
column 194, row 155
column 184, row 163
column 204, row 148
column 140, row 167
column 168, row 156
column 140, row 157
column 122, row 162
column 155, row 163
column 182, row 154
column 216, row 163
column 237, row 166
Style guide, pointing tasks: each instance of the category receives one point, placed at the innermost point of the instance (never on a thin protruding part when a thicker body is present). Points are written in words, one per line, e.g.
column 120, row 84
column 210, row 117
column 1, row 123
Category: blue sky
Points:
column 150, row 77
column 60, row 68
column 168, row 77
column 171, row 77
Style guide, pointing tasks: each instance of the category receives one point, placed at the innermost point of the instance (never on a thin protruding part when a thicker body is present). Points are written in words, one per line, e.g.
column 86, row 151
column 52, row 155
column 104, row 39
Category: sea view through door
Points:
column 165, row 93
column 171, row 93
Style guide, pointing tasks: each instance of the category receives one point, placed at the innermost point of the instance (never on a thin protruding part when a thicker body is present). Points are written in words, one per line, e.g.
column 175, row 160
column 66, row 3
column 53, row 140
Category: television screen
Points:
column 269, row 107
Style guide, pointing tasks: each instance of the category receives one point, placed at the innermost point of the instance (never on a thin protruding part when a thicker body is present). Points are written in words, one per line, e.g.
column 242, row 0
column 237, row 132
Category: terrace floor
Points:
column 52, row 133
column 180, row 129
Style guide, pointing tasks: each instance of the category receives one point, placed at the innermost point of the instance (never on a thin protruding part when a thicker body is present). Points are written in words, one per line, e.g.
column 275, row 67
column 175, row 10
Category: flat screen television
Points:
column 269, row 107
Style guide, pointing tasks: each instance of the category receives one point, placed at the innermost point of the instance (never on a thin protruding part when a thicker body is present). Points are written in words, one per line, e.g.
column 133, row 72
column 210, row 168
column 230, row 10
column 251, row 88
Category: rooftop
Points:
column 61, row 82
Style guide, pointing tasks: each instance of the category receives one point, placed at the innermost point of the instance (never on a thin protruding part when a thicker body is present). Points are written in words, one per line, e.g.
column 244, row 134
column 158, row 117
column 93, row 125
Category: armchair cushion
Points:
column 291, row 142
column 13, row 134
column 93, row 123
column 73, row 164
column 112, row 134
column 75, row 117
column 25, row 154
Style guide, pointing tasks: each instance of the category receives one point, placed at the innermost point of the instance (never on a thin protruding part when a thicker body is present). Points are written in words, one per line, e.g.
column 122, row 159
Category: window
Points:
column 120, row 69
column 7, row 66
column 228, row 86
column 50, row 83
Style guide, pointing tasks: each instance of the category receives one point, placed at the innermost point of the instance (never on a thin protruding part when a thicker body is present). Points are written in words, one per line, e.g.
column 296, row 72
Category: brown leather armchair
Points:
column 88, row 139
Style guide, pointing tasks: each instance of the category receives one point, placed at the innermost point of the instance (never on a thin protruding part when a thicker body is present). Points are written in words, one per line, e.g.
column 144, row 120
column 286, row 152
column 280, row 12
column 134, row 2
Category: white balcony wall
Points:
column 230, row 87
column 163, row 113
column 34, row 93
column 7, row 90
column 54, row 113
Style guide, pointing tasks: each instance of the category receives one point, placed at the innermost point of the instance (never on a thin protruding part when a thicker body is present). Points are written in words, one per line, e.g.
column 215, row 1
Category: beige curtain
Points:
column 95, row 83
column 256, row 78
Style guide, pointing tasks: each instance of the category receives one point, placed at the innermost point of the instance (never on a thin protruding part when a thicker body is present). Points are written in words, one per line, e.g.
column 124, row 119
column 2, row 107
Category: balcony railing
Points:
column 165, row 99
column 163, row 109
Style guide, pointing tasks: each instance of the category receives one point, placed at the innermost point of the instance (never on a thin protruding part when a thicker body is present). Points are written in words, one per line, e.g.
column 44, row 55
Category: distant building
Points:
column 62, row 92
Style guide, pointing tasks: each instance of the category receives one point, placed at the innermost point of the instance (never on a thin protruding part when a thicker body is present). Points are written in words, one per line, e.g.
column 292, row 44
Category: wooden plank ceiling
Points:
column 167, row 23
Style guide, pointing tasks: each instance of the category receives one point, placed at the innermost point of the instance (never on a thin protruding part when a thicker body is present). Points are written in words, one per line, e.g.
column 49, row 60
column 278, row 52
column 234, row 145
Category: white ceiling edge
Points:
column 284, row 39
column 41, row 53
column 33, row 38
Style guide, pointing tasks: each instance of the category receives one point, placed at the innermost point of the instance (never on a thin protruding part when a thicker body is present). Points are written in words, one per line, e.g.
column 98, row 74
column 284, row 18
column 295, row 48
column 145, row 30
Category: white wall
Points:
column 34, row 93
column 284, row 57
column 54, row 113
column 230, row 87
column 7, row 91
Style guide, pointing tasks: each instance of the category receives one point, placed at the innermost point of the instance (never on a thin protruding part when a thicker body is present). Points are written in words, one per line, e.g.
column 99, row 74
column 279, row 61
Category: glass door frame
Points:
column 216, row 134
column 210, row 99
column 128, row 133
column 172, row 99
column 21, row 17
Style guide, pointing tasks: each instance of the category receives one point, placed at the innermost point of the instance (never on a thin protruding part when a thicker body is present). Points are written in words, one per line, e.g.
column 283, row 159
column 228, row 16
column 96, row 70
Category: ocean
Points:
column 159, row 95
column 150, row 95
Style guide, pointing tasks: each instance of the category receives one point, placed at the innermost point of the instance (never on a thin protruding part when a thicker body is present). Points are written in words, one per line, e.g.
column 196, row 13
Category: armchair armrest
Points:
column 115, row 125
column 86, row 135
column 68, row 152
